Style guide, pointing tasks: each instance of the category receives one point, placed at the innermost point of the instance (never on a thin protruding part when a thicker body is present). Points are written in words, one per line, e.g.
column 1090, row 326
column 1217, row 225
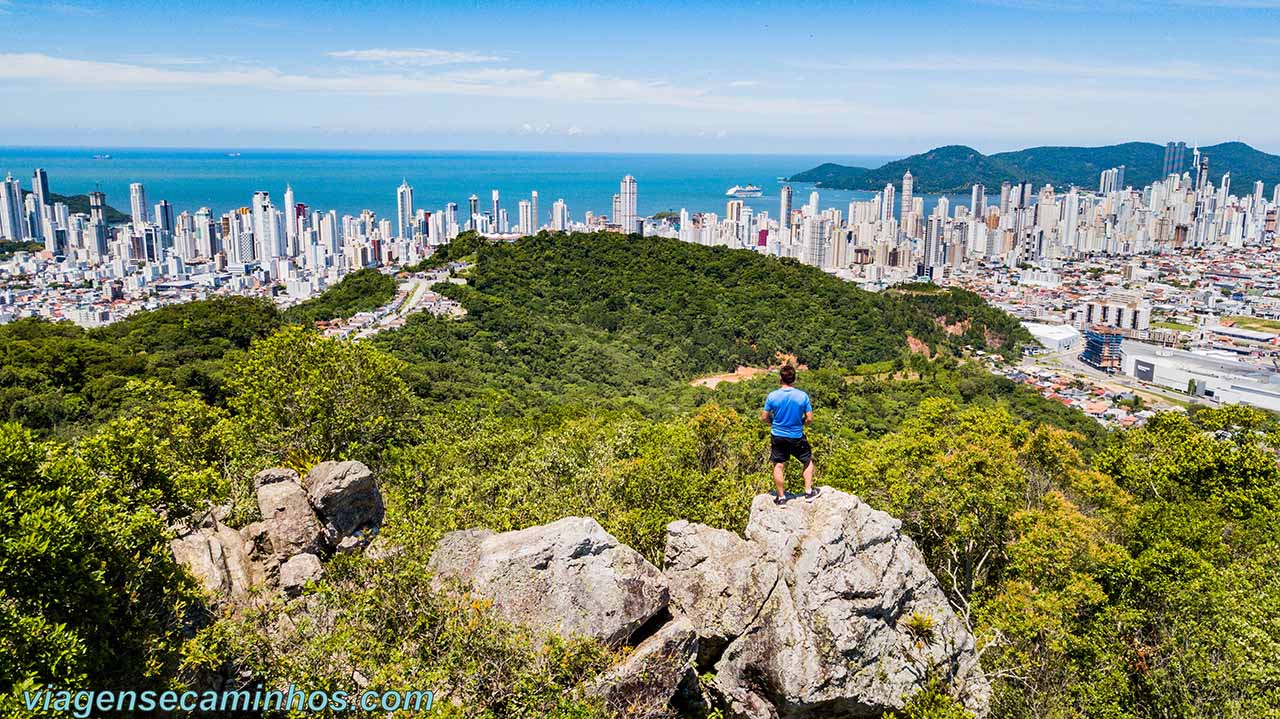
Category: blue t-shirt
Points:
column 788, row 406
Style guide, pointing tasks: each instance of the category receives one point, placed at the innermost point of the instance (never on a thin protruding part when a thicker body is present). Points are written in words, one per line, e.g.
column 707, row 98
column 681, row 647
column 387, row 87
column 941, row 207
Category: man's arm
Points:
column 766, row 416
column 808, row 417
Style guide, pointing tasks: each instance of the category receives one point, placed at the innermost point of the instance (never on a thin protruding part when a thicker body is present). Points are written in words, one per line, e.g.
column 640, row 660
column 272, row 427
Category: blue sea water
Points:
column 351, row 181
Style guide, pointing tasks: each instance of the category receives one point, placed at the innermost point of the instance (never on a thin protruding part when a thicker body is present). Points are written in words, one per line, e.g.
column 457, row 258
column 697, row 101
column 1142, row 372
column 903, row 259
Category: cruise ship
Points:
column 740, row 191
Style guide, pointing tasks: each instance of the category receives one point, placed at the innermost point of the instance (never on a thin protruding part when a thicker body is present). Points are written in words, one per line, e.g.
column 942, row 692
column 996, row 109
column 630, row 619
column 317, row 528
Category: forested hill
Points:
column 608, row 314
column 80, row 204
column 956, row 168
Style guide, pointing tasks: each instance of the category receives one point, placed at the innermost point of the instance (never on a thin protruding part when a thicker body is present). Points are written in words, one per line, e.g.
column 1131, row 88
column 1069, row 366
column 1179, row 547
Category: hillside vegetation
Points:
column 1125, row 575
column 359, row 291
column 602, row 316
column 80, row 204
column 956, row 168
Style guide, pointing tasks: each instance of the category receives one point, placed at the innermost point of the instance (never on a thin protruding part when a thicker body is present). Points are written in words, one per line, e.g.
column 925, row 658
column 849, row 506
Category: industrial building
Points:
column 1055, row 338
column 1219, row 377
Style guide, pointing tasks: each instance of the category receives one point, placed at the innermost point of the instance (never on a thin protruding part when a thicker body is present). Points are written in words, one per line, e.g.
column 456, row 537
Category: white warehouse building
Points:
column 1222, row 379
column 1055, row 338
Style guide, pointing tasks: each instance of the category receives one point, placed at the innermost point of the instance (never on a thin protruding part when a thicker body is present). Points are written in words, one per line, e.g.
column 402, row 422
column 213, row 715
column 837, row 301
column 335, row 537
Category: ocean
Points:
column 351, row 181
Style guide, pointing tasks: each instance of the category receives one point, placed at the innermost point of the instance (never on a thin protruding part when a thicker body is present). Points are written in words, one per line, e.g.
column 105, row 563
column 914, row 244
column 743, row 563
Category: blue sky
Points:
column 845, row 78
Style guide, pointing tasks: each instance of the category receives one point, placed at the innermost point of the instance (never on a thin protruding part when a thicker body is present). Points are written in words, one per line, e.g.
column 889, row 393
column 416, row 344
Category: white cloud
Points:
column 744, row 83
column 1023, row 66
column 504, row 83
column 419, row 57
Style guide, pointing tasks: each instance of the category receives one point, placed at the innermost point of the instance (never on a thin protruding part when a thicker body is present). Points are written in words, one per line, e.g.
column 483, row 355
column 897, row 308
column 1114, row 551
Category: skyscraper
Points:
column 497, row 207
column 97, row 207
column 40, row 191
column 886, row 208
column 1174, row 158
column 473, row 204
column 290, row 214
column 627, row 209
column 978, row 200
column 138, row 205
column 533, row 201
column 525, row 226
column 785, row 209
column 908, row 184
column 12, row 225
column 164, row 216
column 559, row 216
column 40, row 187
column 404, row 210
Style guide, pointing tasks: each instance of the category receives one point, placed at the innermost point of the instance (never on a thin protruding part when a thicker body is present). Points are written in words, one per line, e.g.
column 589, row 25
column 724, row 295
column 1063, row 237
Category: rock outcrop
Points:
column 346, row 498
column 215, row 555
column 337, row 507
column 719, row 580
column 297, row 571
column 853, row 624
column 642, row 685
column 291, row 524
column 823, row 609
column 570, row 577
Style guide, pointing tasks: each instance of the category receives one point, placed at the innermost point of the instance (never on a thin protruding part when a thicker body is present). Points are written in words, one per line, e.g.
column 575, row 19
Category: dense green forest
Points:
column 359, row 291
column 955, row 168
column 1126, row 575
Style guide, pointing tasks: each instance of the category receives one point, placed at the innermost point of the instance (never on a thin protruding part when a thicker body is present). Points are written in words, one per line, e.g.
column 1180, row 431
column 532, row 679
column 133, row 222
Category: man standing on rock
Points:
column 788, row 410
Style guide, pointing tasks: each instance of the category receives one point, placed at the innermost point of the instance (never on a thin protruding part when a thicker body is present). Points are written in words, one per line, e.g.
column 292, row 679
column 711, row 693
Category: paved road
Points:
column 1070, row 362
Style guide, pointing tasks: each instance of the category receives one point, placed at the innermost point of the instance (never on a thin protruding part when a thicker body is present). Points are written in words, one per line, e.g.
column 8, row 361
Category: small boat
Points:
column 740, row 191
column 233, row 154
column 102, row 157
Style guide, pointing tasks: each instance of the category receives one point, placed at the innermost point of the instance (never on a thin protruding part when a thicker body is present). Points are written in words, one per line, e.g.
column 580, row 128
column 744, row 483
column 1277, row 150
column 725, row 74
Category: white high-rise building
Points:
column 627, row 204
column 559, row 216
column 404, row 211
column 784, row 218
column 12, row 225
column 886, row 207
column 537, row 221
column 908, row 184
column 525, row 226
column 290, row 215
column 497, row 209
column 138, row 205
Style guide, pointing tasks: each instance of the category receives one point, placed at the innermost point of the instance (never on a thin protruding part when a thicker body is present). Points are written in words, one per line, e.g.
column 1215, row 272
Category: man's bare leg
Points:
column 780, row 479
column 808, row 477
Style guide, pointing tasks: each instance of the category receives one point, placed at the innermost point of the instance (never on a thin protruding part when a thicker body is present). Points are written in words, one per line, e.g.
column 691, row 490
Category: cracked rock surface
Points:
column 825, row 588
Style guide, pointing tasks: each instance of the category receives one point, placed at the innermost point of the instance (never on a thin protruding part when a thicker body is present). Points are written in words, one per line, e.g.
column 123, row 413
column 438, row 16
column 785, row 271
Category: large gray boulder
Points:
column 290, row 524
column 215, row 554
column 570, row 577
column 838, row 633
column 719, row 580
column 645, row 684
column 297, row 571
column 346, row 497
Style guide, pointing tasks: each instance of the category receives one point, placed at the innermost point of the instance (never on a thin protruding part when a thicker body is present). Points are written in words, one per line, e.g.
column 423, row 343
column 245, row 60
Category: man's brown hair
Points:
column 788, row 374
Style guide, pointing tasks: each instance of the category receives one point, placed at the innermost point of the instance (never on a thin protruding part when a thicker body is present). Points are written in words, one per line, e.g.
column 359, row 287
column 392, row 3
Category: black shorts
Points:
column 782, row 448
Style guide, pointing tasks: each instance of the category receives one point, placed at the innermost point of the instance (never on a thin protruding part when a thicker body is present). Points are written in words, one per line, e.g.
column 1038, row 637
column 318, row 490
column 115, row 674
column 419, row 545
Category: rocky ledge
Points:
column 824, row 609
column 337, row 507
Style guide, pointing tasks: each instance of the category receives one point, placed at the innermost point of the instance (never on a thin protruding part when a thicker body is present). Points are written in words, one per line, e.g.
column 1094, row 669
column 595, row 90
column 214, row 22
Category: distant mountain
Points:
column 955, row 168
column 80, row 203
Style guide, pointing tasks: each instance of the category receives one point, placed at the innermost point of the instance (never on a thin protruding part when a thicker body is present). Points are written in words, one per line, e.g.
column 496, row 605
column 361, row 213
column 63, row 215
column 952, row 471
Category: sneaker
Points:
column 812, row 493
column 780, row 501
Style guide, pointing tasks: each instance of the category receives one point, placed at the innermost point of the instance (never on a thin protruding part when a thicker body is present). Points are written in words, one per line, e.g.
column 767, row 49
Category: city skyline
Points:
column 831, row 78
